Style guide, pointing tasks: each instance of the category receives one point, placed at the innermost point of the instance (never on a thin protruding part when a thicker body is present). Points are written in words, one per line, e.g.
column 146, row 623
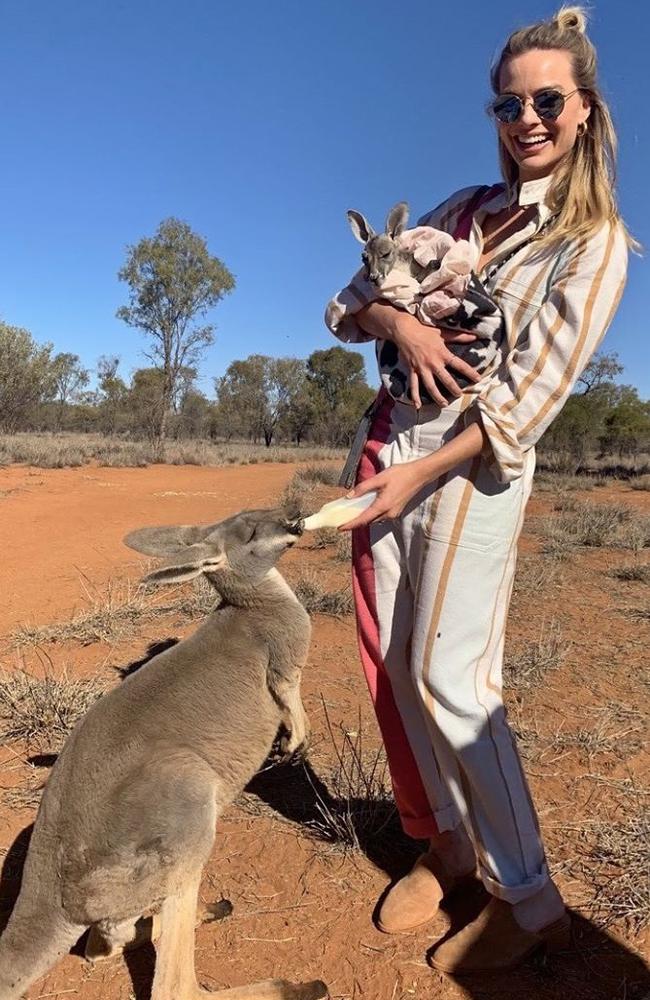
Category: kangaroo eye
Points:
column 252, row 535
column 385, row 255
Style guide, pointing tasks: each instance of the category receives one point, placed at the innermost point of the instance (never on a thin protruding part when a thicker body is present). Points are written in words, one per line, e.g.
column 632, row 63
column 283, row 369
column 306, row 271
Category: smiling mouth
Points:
column 531, row 143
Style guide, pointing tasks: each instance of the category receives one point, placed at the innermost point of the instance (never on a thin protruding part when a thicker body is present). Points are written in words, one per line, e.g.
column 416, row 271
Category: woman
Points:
column 433, row 585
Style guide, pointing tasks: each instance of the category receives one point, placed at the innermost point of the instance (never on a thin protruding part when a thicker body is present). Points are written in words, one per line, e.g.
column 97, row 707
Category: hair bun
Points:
column 571, row 19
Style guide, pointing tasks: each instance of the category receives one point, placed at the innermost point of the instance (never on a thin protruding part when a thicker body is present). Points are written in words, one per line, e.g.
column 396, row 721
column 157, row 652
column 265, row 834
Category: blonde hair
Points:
column 582, row 193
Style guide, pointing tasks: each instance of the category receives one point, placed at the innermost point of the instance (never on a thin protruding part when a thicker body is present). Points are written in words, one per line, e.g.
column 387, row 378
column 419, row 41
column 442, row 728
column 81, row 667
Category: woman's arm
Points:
column 399, row 484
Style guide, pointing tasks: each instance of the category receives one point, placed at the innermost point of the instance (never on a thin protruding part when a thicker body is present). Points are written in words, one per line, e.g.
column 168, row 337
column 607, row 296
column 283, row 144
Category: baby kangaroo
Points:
column 127, row 819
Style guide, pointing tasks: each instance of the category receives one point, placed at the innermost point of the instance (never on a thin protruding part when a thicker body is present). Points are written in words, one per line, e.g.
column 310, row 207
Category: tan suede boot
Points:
column 415, row 899
column 494, row 940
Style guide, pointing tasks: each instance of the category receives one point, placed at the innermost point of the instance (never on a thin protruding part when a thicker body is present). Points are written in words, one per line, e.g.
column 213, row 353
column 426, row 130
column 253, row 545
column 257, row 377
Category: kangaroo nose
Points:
column 296, row 527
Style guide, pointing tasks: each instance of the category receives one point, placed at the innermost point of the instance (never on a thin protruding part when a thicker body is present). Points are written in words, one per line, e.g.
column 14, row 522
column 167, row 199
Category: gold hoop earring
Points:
column 582, row 129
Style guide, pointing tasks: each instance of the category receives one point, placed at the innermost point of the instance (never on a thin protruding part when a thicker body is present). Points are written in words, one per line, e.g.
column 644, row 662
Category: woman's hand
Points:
column 424, row 348
column 396, row 486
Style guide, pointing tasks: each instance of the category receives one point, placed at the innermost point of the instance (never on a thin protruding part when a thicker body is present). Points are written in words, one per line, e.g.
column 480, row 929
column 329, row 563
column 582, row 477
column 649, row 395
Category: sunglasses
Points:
column 547, row 104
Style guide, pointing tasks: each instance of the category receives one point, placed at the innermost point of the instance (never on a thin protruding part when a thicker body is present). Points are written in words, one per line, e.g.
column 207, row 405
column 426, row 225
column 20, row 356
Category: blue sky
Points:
column 260, row 123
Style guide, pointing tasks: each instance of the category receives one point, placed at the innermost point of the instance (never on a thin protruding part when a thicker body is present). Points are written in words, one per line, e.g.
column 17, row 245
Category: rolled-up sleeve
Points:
column 341, row 310
column 519, row 400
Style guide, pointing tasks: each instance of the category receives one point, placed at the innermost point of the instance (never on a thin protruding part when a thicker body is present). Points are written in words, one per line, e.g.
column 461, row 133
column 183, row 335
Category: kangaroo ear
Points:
column 188, row 565
column 361, row 228
column 167, row 540
column 397, row 219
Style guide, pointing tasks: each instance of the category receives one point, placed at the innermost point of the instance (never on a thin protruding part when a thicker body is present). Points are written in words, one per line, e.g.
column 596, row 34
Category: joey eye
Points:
column 252, row 534
column 385, row 255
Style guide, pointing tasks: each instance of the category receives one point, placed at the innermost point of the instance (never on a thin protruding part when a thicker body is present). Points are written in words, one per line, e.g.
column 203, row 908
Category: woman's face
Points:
column 537, row 145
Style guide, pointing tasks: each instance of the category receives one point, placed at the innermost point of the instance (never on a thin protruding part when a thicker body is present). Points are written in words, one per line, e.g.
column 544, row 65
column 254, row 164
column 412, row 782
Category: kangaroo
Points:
column 381, row 252
column 127, row 818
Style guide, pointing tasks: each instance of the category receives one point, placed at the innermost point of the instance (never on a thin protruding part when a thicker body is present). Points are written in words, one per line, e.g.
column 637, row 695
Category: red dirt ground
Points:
column 302, row 909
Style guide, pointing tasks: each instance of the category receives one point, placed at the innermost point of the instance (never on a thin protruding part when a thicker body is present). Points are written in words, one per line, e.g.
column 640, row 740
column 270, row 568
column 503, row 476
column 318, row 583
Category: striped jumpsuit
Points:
column 432, row 588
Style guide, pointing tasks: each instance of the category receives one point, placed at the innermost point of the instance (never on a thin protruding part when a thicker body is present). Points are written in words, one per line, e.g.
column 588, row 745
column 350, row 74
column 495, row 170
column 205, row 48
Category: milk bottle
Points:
column 339, row 511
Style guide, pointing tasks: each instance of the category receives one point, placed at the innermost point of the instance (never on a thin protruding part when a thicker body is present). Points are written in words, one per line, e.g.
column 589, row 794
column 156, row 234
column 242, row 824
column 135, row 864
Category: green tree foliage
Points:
column 112, row 394
column 173, row 282
column 70, row 379
column 599, row 417
column 340, row 393
column 256, row 395
column 26, row 376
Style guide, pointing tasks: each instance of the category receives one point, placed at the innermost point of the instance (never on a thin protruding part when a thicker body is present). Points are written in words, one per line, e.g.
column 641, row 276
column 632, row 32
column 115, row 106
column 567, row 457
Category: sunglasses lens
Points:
column 507, row 108
column 549, row 104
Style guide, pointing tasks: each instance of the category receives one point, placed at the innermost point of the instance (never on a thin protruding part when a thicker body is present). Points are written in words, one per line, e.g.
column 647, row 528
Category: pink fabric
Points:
column 440, row 293
column 410, row 795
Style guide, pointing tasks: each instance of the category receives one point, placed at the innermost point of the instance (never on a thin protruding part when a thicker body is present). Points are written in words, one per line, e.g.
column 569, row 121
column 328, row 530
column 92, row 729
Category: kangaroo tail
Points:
column 37, row 935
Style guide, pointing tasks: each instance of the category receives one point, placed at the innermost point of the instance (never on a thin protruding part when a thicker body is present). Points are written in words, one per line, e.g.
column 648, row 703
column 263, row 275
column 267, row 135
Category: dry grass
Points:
column 631, row 572
column 324, row 538
column 615, row 729
column 118, row 612
column 528, row 665
column 636, row 614
column 24, row 796
column 578, row 523
column 640, row 483
column 359, row 808
column 328, row 475
column 316, row 599
column 616, row 864
column 339, row 541
column 298, row 498
column 43, row 710
column 535, row 574
column 48, row 451
column 343, row 547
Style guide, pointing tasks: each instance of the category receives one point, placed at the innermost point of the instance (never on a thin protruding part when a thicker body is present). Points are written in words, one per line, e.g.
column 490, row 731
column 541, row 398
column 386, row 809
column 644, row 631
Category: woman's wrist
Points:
column 385, row 322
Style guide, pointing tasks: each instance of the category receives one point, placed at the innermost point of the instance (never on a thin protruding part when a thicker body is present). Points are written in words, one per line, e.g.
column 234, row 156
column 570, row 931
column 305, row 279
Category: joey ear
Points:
column 184, row 567
column 359, row 225
column 167, row 540
column 397, row 219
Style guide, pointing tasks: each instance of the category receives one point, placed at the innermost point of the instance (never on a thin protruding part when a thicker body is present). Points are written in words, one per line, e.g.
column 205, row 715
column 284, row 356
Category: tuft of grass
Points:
column 24, row 796
column 298, row 498
column 635, row 571
column 343, row 547
column 580, row 523
column 528, row 665
column 328, row 475
column 616, row 863
column 640, row 483
column 316, row 599
column 43, row 710
column 636, row 614
column 534, row 574
column 359, row 808
column 324, row 538
column 615, row 729
column 119, row 612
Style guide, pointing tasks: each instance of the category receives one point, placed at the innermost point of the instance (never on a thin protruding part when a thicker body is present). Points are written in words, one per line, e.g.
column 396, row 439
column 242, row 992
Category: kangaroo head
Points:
column 380, row 250
column 247, row 546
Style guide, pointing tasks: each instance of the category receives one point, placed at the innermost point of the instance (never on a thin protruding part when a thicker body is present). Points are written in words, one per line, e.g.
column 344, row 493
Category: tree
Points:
column 112, row 392
column 143, row 401
column 173, row 281
column 340, row 392
column 26, row 376
column 69, row 379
